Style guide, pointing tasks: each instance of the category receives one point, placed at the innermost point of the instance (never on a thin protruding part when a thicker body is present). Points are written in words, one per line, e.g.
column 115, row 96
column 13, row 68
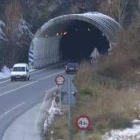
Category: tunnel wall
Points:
column 45, row 50
column 47, row 53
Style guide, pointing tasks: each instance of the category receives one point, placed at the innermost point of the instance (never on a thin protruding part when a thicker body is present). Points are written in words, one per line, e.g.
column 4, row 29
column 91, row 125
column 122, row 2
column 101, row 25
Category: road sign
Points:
column 59, row 80
column 83, row 122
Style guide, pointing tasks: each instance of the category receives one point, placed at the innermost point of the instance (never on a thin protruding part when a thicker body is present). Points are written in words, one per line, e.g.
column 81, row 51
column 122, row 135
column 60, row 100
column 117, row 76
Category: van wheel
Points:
column 25, row 79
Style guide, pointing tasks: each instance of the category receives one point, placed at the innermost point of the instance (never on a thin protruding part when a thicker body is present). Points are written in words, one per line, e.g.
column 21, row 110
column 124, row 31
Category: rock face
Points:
column 33, row 13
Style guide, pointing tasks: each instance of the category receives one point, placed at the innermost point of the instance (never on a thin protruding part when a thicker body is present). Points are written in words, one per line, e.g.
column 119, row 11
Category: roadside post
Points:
column 69, row 107
column 59, row 80
column 52, row 134
column 83, row 123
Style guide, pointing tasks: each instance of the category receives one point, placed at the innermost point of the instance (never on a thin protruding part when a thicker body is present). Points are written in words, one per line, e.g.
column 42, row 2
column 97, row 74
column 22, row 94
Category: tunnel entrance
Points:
column 79, row 40
column 72, row 37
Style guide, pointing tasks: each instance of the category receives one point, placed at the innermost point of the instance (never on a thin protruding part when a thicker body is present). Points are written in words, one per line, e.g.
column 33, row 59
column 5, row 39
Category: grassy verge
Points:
column 104, row 100
column 109, row 91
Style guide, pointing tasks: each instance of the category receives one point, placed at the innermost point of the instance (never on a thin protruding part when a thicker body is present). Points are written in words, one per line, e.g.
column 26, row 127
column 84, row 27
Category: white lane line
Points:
column 37, row 71
column 30, row 83
column 18, row 88
column 4, row 81
column 10, row 110
column 51, row 75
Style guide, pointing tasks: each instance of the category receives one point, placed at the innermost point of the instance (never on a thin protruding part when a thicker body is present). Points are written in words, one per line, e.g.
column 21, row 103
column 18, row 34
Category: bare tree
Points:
column 13, row 14
column 124, row 10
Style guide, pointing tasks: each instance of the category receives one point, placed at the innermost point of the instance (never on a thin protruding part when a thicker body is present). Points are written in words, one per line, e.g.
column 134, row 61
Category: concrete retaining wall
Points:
column 46, row 51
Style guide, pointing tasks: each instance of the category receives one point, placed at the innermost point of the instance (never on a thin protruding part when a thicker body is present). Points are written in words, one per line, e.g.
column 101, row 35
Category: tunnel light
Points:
column 89, row 29
column 57, row 34
column 65, row 33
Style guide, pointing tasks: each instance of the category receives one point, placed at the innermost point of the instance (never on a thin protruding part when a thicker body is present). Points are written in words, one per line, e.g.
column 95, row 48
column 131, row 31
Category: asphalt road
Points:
column 17, row 97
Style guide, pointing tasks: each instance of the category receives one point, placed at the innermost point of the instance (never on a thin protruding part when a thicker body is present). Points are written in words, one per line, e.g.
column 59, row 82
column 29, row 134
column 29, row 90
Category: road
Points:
column 17, row 97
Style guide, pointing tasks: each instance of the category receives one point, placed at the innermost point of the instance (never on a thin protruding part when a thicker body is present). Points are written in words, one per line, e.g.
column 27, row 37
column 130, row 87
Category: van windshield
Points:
column 19, row 69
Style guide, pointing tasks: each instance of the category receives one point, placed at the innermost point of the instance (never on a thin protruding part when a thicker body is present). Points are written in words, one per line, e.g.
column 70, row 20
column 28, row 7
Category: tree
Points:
column 13, row 14
column 124, row 11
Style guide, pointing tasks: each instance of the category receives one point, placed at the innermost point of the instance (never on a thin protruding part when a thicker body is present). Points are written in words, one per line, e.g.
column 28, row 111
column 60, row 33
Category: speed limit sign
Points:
column 83, row 122
column 59, row 80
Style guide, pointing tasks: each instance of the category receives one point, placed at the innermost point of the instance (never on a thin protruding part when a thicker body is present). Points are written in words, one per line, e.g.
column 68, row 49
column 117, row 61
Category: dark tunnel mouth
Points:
column 79, row 40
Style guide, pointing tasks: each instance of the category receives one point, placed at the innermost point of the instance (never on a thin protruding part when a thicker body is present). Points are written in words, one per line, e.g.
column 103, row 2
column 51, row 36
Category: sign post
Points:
column 59, row 80
column 83, row 123
column 69, row 107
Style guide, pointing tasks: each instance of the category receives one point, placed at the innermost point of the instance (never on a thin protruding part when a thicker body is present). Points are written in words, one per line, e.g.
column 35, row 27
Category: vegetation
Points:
column 36, row 12
column 108, row 90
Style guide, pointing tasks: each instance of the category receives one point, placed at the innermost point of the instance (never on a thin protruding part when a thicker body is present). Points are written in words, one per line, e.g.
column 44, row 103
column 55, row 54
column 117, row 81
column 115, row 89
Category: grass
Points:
column 108, row 91
column 108, row 106
column 109, row 103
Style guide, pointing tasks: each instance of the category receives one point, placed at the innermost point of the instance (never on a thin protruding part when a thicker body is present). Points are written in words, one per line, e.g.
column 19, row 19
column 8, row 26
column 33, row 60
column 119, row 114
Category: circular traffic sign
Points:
column 83, row 122
column 59, row 80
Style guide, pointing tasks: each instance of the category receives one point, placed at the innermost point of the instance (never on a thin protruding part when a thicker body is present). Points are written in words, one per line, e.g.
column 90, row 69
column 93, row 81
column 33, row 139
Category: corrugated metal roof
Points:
column 106, row 24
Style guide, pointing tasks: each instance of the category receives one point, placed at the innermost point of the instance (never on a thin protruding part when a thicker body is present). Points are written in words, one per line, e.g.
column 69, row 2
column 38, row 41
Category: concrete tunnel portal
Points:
column 72, row 37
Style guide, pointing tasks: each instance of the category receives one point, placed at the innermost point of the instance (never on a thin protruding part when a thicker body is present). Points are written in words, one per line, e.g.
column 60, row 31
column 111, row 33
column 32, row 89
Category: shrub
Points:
column 106, row 100
column 124, row 59
column 105, row 91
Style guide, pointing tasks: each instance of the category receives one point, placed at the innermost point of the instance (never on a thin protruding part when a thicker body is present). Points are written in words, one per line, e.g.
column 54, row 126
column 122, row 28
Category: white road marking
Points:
column 18, row 88
column 48, row 68
column 37, row 71
column 10, row 110
column 51, row 75
column 30, row 83
column 4, row 81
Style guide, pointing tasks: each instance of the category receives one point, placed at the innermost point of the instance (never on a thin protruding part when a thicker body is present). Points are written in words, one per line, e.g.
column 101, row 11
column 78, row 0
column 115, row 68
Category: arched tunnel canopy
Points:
column 72, row 37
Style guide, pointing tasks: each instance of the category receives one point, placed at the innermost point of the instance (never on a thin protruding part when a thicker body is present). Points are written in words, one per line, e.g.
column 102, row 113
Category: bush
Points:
column 124, row 59
column 106, row 99
column 86, row 91
column 107, row 92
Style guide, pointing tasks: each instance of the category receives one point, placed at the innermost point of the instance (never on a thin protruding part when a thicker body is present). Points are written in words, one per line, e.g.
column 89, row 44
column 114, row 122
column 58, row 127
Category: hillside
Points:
column 108, row 93
column 20, row 19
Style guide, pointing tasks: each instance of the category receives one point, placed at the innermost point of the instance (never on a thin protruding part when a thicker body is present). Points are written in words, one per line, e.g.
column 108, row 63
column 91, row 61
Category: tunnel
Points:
column 79, row 41
column 72, row 38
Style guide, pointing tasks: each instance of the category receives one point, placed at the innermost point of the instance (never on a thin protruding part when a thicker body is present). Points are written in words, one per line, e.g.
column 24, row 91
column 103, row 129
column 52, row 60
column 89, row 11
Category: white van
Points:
column 20, row 71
